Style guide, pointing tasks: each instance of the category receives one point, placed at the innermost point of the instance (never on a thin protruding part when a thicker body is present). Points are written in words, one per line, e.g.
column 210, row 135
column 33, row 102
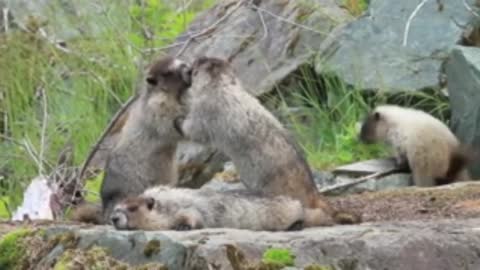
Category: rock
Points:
column 72, row 18
column 463, row 77
column 366, row 167
column 438, row 244
column 260, row 39
column 369, row 53
column 392, row 181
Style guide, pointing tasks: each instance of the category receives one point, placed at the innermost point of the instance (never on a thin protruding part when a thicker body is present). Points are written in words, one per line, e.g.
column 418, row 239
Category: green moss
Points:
column 152, row 248
column 12, row 250
column 279, row 256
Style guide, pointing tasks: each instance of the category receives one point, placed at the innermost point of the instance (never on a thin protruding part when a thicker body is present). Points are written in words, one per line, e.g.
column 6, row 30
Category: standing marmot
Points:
column 165, row 208
column 418, row 139
column 223, row 114
column 145, row 153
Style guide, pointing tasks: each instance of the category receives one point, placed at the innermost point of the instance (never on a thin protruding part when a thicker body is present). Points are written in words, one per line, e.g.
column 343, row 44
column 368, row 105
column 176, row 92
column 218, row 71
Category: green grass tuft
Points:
column 278, row 256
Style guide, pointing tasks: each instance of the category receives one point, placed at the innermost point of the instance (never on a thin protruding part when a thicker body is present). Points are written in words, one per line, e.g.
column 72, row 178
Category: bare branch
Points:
column 265, row 28
column 209, row 29
column 44, row 130
column 283, row 19
column 409, row 21
column 360, row 180
column 469, row 8
column 6, row 23
column 110, row 125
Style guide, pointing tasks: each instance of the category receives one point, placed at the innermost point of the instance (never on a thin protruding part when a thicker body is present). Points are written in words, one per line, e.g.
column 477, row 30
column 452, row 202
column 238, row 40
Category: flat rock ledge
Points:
column 437, row 244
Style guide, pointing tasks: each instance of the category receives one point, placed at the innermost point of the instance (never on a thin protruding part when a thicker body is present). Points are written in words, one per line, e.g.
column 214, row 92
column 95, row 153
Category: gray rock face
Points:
column 463, row 76
column 85, row 13
column 262, row 40
column 369, row 52
column 441, row 244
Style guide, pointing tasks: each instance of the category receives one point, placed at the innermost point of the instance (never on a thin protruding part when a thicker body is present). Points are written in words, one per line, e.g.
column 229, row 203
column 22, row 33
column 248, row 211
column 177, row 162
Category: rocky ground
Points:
column 409, row 228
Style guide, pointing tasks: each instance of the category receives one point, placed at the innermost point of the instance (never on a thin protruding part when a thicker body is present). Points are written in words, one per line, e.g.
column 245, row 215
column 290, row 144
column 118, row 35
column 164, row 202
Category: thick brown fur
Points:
column 145, row 153
column 166, row 208
column 223, row 114
column 431, row 150
column 88, row 213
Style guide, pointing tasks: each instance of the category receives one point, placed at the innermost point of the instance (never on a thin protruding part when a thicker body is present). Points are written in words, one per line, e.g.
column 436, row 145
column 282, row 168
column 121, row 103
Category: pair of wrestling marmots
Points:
column 216, row 111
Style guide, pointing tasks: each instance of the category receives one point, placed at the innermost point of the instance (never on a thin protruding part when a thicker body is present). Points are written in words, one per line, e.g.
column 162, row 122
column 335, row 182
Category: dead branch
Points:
column 209, row 29
column 469, row 8
column 285, row 20
column 409, row 21
column 6, row 22
column 43, row 131
column 265, row 28
column 361, row 180
column 110, row 125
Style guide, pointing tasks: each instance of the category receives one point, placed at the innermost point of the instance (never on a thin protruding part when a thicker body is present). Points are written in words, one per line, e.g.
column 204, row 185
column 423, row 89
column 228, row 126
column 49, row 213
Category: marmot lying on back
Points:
column 145, row 153
column 166, row 208
column 420, row 141
column 221, row 113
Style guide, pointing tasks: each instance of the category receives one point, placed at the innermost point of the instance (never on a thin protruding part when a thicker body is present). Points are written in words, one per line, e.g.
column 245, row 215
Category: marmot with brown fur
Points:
column 223, row 114
column 166, row 208
column 420, row 141
column 145, row 153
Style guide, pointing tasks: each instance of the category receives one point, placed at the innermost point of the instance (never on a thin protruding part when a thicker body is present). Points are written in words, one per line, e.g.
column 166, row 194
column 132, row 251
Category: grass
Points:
column 80, row 90
column 355, row 7
column 279, row 256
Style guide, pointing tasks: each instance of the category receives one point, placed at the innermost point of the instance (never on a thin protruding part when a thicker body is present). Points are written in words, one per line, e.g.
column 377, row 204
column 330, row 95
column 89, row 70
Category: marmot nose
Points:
column 115, row 219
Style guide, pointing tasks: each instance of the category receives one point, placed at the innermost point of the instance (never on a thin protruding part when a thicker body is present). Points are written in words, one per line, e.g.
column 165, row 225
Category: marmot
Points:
column 420, row 142
column 221, row 113
column 145, row 153
column 166, row 208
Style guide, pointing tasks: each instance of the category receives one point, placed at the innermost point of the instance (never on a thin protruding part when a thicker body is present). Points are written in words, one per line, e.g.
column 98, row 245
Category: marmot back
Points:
column 419, row 140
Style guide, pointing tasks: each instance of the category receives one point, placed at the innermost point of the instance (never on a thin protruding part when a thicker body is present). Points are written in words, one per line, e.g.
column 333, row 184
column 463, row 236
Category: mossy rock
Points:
column 97, row 258
column 12, row 249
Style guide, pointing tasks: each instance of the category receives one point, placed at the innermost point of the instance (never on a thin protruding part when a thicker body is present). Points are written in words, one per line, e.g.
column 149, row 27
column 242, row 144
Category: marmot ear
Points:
column 376, row 116
column 150, row 202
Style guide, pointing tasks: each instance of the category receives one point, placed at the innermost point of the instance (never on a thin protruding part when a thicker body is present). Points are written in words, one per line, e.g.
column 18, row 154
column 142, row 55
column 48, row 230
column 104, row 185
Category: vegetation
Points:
column 278, row 256
column 11, row 248
column 356, row 7
column 52, row 98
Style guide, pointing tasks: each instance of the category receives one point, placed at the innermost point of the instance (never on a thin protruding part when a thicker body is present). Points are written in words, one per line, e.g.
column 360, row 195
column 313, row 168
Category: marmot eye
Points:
column 132, row 208
column 152, row 81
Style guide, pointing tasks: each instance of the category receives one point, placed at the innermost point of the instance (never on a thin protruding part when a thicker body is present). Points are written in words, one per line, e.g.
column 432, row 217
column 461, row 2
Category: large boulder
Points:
column 72, row 18
column 370, row 53
column 463, row 78
column 263, row 39
column 441, row 244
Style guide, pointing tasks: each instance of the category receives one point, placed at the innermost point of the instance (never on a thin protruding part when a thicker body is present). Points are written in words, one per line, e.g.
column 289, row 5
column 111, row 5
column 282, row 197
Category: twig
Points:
column 209, row 28
column 469, row 8
column 360, row 180
column 44, row 130
column 409, row 21
column 110, row 125
column 265, row 28
column 5, row 20
column 29, row 148
column 283, row 19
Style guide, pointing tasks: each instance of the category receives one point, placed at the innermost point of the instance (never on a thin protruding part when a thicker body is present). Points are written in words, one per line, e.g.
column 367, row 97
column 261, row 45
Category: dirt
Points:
column 414, row 203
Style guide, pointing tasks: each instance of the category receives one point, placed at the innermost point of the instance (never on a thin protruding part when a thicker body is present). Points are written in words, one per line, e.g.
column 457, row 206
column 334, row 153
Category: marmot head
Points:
column 207, row 70
column 374, row 127
column 143, row 213
column 168, row 74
